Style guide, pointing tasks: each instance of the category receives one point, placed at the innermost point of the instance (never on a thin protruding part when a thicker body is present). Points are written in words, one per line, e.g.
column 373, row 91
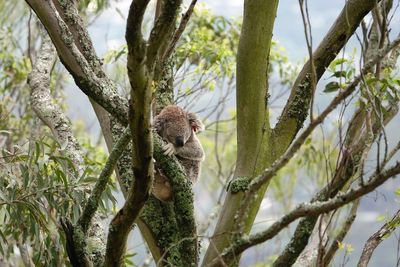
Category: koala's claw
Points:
column 169, row 149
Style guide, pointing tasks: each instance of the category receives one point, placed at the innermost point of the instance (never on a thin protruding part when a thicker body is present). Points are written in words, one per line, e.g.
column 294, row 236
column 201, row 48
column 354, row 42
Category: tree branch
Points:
column 253, row 155
column 162, row 31
column 77, row 54
column 182, row 205
column 358, row 142
column 178, row 33
column 25, row 257
column 310, row 255
column 158, row 220
column 45, row 109
column 331, row 251
column 99, row 88
column 92, row 203
column 133, row 34
column 50, row 114
column 297, row 106
column 257, row 182
column 69, row 13
column 142, row 142
column 307, row 209
column 374, row 241
column 359, row 137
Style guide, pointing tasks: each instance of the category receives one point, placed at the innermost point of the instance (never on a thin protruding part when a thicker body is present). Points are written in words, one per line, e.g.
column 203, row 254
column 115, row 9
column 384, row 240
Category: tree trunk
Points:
column 253, row 154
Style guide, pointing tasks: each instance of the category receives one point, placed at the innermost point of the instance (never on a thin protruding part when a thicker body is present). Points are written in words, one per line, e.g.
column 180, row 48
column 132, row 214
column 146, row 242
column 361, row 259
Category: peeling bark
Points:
column 51, row 115
column 47, row 111
column 99, row 88
column 309, row 256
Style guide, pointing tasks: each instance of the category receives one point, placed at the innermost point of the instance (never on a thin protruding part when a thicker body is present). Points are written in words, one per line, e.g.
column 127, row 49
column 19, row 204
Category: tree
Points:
column 263, row 150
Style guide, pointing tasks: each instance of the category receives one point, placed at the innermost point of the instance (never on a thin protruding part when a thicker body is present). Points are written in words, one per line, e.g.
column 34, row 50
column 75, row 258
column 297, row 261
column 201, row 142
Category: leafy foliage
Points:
column 37, row 186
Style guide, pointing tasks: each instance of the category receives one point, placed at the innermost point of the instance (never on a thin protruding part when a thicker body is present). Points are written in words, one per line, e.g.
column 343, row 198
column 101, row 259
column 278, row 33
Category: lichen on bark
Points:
column 301, row 102
column 239, row 184
column 180, row 211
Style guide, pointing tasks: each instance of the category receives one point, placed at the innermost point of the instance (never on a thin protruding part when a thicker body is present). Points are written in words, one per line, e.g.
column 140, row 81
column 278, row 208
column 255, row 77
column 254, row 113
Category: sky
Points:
column 108, row 32
column 322, row 14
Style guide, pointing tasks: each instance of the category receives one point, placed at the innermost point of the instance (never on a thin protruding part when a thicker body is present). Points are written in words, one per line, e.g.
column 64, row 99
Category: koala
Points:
column 178, row 128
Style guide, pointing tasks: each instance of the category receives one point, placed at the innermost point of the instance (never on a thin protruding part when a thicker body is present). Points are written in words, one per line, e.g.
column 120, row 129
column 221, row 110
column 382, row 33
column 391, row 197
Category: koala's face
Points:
column 175, row 125
column 177, row 132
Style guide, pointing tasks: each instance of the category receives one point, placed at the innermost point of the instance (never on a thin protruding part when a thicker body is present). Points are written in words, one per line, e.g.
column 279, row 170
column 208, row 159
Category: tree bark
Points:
column 260, row 149
column 252, row 117
column 374, row 241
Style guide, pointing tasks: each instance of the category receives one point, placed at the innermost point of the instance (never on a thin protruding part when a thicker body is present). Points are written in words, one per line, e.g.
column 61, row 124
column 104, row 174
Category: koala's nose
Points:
column 179, row 141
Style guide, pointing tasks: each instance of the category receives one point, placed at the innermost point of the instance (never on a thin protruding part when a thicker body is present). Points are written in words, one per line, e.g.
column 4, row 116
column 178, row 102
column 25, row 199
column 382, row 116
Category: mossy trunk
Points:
column 259, row 145
column 253, row 129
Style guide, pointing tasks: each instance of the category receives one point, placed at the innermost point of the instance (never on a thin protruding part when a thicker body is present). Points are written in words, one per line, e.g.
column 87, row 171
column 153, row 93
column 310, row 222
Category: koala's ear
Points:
column 159, row 124
column 195, row 122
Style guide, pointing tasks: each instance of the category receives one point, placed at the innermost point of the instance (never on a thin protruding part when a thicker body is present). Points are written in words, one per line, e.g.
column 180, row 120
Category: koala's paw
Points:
column 169, row 149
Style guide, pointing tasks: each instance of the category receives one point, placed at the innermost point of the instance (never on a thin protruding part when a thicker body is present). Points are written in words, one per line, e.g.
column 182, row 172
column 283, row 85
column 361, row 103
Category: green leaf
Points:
column 331, row 87
column 338, row 61
column 339, row 73
column 350, row 73
column 63, row 177
column 37, row 151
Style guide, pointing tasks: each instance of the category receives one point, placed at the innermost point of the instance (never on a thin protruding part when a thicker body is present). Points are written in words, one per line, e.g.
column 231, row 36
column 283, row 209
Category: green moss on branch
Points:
column 240, row 184
column 182, row 209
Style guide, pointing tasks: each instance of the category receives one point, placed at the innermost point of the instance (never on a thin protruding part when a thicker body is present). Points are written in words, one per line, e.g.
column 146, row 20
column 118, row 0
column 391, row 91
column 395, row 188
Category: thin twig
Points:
column 178, row 33
column 308, row 35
